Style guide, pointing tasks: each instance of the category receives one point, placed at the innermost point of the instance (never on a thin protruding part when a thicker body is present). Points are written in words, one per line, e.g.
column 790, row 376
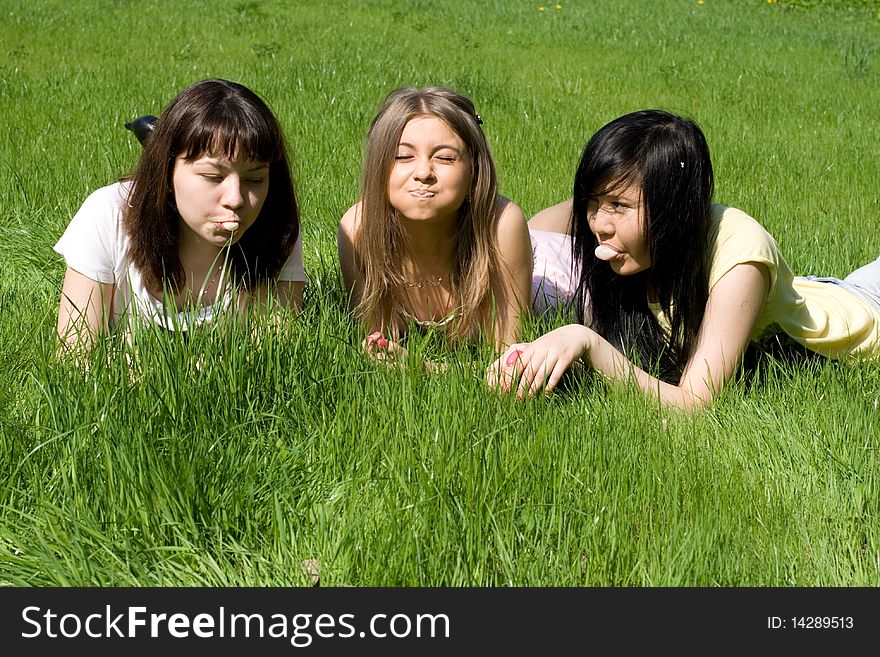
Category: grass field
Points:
column 227, row 460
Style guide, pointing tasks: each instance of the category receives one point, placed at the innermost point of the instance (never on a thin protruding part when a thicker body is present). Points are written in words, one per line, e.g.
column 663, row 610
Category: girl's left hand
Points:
column 528, row 367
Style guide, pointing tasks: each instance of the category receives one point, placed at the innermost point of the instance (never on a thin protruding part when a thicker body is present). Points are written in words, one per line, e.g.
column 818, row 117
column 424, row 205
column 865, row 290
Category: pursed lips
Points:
column 422, row 193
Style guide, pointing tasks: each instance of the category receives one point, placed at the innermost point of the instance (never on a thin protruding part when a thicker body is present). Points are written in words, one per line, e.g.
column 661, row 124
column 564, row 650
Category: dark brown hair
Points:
column 220, row 119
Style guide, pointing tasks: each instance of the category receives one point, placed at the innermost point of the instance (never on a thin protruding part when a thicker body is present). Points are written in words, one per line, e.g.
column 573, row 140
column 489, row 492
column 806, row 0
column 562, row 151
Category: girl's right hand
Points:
column 528, row 367
column 388, row 351
column 382, row 348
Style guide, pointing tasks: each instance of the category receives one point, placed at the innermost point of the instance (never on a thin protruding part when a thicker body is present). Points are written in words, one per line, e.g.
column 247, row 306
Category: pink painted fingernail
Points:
column 382, row 342
column 514, row 356
column 374, row 335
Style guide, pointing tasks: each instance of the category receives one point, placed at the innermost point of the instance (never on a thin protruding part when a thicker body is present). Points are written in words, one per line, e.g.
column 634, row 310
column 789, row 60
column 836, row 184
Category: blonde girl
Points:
column 431, row 244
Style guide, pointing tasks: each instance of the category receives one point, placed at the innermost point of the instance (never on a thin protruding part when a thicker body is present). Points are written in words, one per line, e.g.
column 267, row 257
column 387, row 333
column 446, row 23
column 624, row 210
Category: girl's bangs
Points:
column 230, row 140
column 613, row 181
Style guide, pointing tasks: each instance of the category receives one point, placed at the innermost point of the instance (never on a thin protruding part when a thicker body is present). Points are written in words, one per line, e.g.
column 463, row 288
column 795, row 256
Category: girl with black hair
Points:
column 208, row 222
column 672, row 288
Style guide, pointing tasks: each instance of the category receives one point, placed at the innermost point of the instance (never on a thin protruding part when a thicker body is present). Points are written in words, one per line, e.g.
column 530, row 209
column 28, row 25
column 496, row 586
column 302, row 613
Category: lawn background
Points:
column 229, row 460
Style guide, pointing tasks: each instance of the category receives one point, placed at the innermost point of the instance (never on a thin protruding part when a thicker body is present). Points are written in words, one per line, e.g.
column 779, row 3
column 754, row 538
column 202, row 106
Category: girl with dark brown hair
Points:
column 208, row 222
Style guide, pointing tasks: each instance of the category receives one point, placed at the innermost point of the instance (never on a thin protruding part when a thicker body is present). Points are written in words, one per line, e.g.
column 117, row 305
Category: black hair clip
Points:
column 142, row 127
column 479, row 119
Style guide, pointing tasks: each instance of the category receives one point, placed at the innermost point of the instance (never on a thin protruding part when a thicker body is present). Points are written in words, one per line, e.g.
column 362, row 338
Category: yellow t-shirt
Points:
column 824, row 317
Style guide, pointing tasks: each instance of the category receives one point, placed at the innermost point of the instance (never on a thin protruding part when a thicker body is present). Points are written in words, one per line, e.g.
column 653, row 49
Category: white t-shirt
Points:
column 96, row 246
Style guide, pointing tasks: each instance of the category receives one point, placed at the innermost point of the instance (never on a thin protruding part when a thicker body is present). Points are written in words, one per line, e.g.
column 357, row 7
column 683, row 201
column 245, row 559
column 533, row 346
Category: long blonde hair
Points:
column 379, row 240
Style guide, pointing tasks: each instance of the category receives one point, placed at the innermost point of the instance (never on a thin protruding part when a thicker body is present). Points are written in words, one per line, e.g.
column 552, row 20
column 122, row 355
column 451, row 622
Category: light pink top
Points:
column 554, row 277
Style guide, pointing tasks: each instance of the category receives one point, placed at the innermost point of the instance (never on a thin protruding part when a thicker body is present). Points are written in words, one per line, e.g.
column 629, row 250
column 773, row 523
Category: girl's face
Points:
column 617, row 219
column 217, row 199
column 431, row 174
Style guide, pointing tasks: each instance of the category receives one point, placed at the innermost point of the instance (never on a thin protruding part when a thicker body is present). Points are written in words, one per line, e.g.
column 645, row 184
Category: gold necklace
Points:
column 433, row 281
column 207, row 283
column 214, row 277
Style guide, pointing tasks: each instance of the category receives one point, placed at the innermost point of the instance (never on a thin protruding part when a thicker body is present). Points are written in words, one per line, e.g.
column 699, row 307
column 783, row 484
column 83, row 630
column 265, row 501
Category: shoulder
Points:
column 94, row 242
column 115, row 194
column 350, row 221
column 514, row 244
column 736, row 238
column 109, row 200
column 346, row 241
column 292, row 270
column 727, row 220
column 555, row 219
column 511, row 222
column 510, row 214
column 101, row 211
column 733, row 228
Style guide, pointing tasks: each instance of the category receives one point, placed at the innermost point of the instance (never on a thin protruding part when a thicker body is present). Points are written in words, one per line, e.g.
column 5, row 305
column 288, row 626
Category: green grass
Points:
column 227, row 459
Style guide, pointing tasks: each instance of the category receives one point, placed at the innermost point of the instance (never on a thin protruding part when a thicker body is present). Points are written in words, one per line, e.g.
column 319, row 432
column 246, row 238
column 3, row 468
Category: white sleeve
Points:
column 90, row 245
column 293, row 268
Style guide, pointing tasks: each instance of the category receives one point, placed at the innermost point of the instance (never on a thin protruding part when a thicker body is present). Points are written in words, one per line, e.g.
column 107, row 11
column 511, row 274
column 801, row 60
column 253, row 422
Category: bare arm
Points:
column 512, row 292
column 555, row 219
column 83, row 311
column 731, row 312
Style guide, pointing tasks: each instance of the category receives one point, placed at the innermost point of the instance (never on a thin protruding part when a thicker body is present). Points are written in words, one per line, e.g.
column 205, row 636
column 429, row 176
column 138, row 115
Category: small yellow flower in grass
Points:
column 541, row 8
column 699, row 2
column 558, row 6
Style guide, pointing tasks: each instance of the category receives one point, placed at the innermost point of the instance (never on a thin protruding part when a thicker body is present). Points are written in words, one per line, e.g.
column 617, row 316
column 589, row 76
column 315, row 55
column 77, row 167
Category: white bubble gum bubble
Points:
column 605, row 252
column 230, row 225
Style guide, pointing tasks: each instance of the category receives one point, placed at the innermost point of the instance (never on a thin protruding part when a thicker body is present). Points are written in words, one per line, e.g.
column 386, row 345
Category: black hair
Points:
column 667, row 158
